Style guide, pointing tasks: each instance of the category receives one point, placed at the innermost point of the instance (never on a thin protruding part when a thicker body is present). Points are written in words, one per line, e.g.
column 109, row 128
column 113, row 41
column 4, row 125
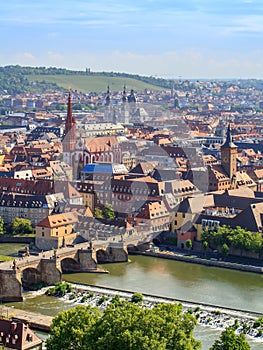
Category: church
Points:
column 77, row 152
column 225, row 176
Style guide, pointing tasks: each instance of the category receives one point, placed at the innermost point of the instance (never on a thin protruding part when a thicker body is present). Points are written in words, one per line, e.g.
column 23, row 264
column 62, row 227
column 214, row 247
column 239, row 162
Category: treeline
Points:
column 16, row 70
column 226, row 238
column 13, row 81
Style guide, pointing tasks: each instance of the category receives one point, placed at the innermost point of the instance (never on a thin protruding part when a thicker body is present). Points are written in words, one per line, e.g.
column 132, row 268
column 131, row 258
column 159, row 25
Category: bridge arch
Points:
column 102, row 255
column 132, row 248
column 69, row 265
column 31, row 278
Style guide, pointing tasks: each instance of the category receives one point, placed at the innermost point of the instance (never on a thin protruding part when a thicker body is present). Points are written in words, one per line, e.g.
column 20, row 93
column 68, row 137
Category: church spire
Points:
column 124, row 95
column 229, row 139
column 70, row 119
column 107, row 102
column 69, row 140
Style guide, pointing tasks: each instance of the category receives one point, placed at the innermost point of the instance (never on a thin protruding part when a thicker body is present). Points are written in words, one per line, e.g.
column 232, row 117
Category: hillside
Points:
column 93, row 83
column 18, row 79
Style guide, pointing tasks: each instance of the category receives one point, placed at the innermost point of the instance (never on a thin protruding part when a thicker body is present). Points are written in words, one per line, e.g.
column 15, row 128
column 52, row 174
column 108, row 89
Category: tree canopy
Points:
column 108, row 212
column 124, row 325
column 20, row 226
column 229, row 340
column 2, row 231
column 225, row 238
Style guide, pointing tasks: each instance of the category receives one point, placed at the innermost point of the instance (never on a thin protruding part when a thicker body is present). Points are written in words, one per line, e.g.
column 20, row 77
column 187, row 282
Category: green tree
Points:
column 108, row 212
column 188, row 244
column 129, row 327
column 125, row 326
column 229, row 340
column 21, row 226
column 2, row 231
column 137, row 298
column 225, row 249
column 205, row 246
column 98, row 213
column 70, row 328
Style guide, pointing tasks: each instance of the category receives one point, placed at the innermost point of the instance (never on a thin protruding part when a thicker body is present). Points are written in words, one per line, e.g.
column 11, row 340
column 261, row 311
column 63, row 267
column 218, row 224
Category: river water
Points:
column 169, row 278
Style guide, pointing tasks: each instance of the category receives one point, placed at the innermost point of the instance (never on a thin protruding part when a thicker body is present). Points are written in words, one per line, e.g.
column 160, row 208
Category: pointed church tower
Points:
column 124, row 114
column 124, row 95
column 69, row 139
column 108, row 111
column 229, row 156
column 107, row 100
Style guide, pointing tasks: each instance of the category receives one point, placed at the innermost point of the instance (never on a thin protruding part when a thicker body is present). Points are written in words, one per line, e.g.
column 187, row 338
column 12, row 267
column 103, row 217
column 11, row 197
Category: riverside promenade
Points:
column 34, row 320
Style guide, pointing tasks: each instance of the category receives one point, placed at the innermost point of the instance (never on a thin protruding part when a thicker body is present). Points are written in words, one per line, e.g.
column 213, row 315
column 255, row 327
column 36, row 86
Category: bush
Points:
column 72, row 296
column 137, row 298
column 84, row 299
column 216, row 312
column 116, row 299
column 60, row 289
column 101, row 300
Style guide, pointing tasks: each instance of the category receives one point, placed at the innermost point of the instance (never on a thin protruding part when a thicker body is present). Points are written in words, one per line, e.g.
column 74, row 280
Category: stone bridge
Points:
column 47, row 267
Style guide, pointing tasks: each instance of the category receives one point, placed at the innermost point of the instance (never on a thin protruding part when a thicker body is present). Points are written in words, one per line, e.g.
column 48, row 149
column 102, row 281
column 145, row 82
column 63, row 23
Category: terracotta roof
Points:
column 34, row 187
column 103, row 143
column 58, row 220
column 67, row 189
column 17, row 335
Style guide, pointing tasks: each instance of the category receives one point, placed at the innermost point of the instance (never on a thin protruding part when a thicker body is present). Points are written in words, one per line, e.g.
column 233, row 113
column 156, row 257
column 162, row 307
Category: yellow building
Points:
column 56, row 231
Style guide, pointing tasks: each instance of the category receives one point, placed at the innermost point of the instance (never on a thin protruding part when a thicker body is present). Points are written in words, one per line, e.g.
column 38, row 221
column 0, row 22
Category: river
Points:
column 169, row 278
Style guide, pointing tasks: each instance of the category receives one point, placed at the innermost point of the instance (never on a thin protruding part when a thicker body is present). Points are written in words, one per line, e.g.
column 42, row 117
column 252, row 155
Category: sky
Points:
column 164, row 38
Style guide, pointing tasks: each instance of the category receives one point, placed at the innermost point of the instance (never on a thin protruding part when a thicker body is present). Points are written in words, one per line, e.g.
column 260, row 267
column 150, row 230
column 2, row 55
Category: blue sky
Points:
column 169, row 38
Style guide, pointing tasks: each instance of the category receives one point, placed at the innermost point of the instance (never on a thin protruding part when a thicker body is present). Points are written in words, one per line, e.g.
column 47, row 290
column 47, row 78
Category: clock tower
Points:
column 229, row 156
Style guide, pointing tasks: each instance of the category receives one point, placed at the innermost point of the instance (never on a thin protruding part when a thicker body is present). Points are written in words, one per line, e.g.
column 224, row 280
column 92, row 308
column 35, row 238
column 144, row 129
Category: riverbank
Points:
column 207, row 315
column 201, row 261
column 35, row 321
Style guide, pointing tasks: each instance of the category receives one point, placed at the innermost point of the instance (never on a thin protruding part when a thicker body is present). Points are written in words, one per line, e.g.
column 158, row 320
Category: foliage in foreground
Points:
column 229, row 340
column 124, row 325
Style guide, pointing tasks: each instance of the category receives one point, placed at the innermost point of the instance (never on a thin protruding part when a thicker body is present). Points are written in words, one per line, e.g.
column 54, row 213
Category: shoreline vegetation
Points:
column 215, row 317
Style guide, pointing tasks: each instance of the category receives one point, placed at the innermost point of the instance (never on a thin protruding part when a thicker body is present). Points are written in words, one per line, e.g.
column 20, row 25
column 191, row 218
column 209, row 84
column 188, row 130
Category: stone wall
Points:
column 10, row 286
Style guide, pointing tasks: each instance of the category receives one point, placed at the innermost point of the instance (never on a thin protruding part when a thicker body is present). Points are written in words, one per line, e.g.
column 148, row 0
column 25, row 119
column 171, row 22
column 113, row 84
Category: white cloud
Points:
column 186, row 64
column 26, row 57
column 55, row 56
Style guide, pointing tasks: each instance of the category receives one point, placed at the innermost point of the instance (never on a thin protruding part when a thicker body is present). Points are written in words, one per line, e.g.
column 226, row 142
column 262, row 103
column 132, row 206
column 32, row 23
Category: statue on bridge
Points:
column 14, row 264
column 55, row 254
column 27, row 253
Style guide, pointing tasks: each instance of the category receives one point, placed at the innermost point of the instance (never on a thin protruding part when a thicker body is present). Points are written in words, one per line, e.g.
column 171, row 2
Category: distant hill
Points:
column 18, row 79
column 93, row 83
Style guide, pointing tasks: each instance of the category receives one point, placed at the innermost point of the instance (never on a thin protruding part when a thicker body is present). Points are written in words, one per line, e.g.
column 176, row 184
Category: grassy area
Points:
column 11, row 249
column 93, row 83
column 5, row 258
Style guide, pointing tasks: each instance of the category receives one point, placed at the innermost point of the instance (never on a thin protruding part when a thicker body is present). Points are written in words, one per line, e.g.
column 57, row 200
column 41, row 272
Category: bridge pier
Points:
column 87, row 259
column 10, row 286
column 50, row 271
column 114, row 253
